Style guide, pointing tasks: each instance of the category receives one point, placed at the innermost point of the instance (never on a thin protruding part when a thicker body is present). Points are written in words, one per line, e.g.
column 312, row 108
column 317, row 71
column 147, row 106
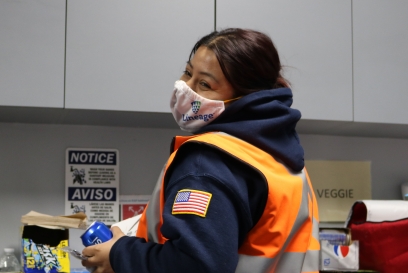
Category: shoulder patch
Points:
column 191, row 202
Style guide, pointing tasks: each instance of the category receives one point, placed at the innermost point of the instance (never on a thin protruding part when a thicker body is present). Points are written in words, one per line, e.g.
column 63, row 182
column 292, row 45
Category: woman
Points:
column 234, row 196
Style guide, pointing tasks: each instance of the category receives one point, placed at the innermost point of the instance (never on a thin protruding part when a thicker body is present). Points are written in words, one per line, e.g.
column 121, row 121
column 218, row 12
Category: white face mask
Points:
column 192, row 111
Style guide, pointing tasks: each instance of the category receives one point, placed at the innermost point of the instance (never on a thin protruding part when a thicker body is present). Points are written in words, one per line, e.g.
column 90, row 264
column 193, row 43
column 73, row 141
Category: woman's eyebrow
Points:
column 203, row 73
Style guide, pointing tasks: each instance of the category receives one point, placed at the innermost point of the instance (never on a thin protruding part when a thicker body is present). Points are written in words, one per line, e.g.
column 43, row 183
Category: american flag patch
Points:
column 191, row 202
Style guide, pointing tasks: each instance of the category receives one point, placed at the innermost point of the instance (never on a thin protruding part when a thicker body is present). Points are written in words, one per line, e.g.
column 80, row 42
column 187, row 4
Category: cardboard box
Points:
column 42, row 237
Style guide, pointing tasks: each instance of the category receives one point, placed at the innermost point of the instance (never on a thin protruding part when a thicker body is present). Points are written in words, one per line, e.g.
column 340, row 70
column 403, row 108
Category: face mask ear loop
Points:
column 234, row 99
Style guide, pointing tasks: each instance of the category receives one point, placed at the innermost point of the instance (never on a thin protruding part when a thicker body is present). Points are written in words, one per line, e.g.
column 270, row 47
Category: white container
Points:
column 339, row 257
column 9, row 262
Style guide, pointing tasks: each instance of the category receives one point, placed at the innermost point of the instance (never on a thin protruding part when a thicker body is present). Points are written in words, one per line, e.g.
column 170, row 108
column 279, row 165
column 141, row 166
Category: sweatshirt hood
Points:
column 266, row 120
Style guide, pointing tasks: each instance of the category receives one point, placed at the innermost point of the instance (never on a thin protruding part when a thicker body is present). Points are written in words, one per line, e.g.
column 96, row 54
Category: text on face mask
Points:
column 197, row 117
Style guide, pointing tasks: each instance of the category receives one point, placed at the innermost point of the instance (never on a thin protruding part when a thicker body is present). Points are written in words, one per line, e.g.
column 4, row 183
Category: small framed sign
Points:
column 132, row 205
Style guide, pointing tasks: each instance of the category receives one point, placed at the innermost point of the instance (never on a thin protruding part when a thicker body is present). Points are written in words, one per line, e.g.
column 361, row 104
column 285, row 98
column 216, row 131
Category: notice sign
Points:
column 338, row 185
column 92, row 184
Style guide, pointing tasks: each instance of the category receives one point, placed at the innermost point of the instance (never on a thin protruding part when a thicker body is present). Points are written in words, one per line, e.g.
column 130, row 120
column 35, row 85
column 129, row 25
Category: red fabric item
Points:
column 383, row 246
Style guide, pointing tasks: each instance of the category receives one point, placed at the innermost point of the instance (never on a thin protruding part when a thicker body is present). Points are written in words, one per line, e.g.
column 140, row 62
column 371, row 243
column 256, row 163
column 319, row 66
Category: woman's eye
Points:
column 206, row 85
column 187, row 73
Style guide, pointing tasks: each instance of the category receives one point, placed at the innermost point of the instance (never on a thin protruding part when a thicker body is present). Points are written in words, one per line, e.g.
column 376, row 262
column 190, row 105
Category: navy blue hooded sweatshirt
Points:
column 210, row 244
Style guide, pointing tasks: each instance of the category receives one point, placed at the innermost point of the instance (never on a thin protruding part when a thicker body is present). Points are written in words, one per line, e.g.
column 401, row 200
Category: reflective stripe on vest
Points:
column 285, row 239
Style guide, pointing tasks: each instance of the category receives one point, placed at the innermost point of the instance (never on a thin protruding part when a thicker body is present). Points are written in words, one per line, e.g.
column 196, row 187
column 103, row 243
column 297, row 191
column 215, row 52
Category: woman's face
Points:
column 203, row 74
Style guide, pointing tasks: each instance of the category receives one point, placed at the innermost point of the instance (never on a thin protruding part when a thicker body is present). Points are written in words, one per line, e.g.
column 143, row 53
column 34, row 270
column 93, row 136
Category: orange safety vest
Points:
column 285, row 239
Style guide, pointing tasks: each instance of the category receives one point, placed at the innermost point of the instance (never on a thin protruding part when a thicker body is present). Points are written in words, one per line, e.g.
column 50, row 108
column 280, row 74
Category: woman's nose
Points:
column 190, row 83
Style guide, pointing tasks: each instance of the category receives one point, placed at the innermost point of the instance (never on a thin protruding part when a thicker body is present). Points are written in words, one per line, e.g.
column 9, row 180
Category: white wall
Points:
column 32, row 164
column 388, row 156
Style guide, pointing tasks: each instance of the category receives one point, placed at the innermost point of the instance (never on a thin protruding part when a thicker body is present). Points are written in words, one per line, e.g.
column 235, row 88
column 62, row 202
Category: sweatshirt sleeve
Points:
column 207, row 243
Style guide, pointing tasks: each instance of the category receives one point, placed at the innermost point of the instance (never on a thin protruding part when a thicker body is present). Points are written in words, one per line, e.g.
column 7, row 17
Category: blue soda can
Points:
column 97, row 233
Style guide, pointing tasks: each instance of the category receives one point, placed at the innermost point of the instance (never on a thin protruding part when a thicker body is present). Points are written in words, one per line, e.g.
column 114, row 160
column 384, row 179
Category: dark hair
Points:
column 248, row 59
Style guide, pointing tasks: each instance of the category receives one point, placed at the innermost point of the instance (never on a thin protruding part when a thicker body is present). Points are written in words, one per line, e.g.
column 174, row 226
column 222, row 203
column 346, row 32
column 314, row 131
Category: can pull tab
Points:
column 74, row 253
column 77, row 255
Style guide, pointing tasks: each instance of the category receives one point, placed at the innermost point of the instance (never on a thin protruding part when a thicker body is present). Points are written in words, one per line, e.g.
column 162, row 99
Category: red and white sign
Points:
column 132, row 205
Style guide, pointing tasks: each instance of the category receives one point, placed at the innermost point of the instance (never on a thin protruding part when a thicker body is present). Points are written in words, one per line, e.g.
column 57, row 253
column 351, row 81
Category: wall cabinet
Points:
column 313, row 39
column 64, row 59
column 126, row 55
column 32, row 47
column 380, row 43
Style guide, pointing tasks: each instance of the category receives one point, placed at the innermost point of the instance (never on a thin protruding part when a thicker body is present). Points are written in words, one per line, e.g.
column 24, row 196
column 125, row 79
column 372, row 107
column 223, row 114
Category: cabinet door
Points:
column 380, row 35
column 126, row 55
column 32, row 46
column 313, row 39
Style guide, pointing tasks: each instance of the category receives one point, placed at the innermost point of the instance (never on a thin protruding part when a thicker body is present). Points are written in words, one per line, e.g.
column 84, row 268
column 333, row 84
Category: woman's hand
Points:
column 99, row 254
